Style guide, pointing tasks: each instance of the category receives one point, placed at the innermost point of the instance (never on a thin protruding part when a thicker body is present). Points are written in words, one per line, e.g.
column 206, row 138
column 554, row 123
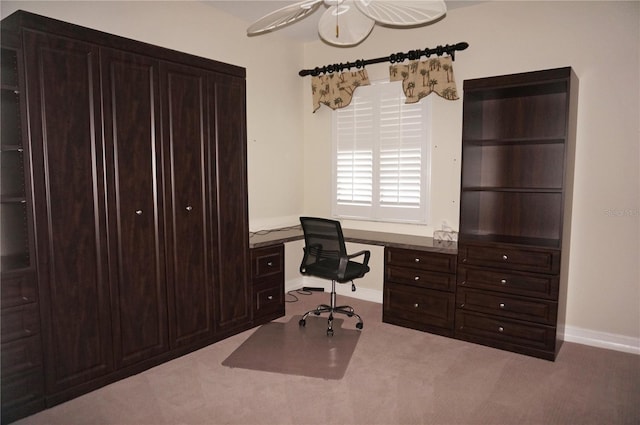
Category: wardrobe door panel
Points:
column 227, row 126
column 191, row 263
column 134, row 152
column 64, row 108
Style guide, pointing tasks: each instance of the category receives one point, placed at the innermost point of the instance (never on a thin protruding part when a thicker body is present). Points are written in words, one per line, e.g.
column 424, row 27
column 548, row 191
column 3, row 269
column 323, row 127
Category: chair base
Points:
column 331, row 309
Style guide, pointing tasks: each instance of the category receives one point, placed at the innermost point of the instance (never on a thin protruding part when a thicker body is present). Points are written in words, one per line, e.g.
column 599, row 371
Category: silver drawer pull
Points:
column 138, row 212
column 270, row 297
column 189, row 208
column 270, row 264
column 416, row 305
column 416, row 278
column 504, row 257
column 417, row 260
column 500, row 329
column 503, row 281
column 501, row 305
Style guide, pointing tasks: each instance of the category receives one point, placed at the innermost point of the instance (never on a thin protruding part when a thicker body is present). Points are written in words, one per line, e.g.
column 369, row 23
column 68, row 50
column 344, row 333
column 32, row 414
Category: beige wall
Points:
column 289, row 148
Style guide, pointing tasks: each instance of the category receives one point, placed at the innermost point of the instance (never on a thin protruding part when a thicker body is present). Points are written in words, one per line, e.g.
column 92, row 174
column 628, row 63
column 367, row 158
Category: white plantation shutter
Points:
column 354, row 167
column 381, row 146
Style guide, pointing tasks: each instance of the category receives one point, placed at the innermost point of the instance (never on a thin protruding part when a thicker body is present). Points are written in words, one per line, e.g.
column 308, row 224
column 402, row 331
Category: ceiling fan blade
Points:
column 283, row 16
column 344, row 25
column 402, row 13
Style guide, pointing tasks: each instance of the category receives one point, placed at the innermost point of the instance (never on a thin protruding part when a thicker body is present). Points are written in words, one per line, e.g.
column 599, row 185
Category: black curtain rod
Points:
column 393, row 58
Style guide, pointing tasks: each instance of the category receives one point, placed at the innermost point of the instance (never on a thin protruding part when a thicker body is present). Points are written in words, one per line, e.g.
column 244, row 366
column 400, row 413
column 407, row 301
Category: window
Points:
column 381, row 151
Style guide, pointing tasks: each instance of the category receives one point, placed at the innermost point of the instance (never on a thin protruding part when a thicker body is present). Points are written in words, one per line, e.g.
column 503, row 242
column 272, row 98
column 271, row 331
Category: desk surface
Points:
column 396, row 240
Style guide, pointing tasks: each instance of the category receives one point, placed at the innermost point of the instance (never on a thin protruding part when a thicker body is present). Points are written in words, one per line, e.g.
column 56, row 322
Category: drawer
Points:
column 19, row 322
column 268, row 297
column 509, row 257
column 504, row 333
column 423, row 306
column 513, row 282
column 267, row 261
column 22, row 388
column 423, row 260
column 420, row 278
column 530, row 309
column 18, row 288
column 21, row 355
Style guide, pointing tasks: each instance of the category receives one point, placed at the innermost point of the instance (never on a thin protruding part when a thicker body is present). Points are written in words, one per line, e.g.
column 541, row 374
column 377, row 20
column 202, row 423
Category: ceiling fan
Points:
column 348, row 22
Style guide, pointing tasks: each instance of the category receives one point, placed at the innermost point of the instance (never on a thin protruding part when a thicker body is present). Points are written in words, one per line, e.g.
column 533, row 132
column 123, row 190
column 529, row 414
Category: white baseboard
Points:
column 602, row 339
column 364, row 294
column 571, row 333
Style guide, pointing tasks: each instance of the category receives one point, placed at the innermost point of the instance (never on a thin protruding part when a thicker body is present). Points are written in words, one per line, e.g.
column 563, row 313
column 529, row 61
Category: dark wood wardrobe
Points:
column 135, row 207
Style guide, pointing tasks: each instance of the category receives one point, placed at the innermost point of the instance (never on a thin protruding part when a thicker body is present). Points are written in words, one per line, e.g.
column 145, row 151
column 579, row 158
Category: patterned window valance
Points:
column 421, row 78
column 336, row 90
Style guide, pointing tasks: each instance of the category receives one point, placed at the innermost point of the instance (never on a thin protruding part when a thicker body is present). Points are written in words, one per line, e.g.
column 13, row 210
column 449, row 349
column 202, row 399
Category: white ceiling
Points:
column 304, row 30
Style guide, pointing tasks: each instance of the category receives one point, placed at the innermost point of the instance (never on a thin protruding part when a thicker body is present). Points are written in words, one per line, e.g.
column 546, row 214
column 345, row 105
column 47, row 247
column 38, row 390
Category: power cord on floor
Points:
column 299, row 292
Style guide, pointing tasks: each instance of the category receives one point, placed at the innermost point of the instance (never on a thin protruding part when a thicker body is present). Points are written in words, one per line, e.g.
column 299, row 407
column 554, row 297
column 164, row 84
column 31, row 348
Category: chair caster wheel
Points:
column 329, row 332
column 302, row 322
column 317, row 313
column 359, row 325
column 349, row 315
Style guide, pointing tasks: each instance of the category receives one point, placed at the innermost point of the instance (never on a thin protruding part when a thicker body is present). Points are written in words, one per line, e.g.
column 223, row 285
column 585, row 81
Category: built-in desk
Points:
column 273, row 237
column 419, row 275
column 388, row 240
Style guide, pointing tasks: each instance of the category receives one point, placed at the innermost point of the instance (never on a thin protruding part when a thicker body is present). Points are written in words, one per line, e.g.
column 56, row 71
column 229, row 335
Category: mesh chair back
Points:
column 323, row 240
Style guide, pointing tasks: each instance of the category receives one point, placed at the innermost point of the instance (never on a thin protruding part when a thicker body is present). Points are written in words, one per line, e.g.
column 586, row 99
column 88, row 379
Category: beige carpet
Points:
column 297, row 350
column 396, row 376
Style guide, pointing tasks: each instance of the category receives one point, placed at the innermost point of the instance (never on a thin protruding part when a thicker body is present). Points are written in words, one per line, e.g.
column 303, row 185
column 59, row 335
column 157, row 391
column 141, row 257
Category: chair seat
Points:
column 327, row 269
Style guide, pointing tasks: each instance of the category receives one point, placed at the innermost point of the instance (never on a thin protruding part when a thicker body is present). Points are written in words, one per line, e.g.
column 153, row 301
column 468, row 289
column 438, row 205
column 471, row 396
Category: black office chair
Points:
column 325, row 256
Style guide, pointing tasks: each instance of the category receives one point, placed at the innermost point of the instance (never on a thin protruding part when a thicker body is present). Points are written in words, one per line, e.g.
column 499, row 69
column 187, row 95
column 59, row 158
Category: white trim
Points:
column 344, row 289
column 606, row 340
column 293, row 284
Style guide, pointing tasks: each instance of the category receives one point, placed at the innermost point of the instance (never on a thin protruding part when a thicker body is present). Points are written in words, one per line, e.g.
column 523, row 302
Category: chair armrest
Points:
column 366, row 254
column 342, row 267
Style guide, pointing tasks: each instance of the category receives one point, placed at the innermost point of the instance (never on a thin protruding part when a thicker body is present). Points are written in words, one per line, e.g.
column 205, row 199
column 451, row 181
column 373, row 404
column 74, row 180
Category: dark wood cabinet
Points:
column 419, row 290
column 65, row 112
column 517, row 169
column 227, row 127
column 190, row 204
column 138, row 157
column 21, row 357
column 267, row 272
column 131, row 109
